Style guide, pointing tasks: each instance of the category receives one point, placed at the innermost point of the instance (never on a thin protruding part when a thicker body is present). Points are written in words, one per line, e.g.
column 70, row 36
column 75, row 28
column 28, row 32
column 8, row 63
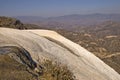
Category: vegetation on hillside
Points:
column 16, row 24
column 13, row 70
column 10, row 23
column 17, row 64
column 103, row 39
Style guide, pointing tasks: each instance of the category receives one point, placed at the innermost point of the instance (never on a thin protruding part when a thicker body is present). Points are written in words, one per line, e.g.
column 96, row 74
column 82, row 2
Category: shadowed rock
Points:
column 19, row 54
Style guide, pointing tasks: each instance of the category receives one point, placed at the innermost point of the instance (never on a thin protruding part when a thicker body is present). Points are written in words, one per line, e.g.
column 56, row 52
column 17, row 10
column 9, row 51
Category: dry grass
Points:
column 12, row 70
column 55, row 71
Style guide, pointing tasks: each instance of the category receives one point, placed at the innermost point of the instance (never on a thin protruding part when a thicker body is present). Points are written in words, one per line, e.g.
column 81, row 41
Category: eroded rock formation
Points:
column 44, row 44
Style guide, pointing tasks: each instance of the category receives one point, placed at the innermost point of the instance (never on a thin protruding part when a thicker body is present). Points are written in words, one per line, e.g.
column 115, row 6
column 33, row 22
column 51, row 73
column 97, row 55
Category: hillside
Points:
column 106, row 28
column 70, row 21
column 15, row 23
column 96, row 39
column 11, row 23
column 103, row 40
column 49, row 45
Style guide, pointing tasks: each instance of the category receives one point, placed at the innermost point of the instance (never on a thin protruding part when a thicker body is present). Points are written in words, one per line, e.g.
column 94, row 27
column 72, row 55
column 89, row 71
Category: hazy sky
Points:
column 57, row 7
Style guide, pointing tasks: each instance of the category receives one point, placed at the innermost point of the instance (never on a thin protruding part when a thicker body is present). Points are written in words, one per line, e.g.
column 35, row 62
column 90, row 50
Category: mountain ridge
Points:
column 70, row 21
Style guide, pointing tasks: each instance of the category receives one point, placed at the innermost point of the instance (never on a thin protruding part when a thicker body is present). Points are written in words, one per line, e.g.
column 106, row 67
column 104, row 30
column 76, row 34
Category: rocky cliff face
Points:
column 36, row 46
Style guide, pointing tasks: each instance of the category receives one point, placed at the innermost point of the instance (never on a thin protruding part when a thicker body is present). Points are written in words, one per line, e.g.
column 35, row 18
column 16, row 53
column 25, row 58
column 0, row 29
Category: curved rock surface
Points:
column 45, row 44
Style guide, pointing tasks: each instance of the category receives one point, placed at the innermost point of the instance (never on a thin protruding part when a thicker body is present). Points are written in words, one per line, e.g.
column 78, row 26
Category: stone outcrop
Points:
column 45, row 44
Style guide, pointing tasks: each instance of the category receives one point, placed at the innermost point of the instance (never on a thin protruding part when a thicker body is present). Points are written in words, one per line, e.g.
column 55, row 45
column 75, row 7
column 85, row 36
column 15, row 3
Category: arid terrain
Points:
column 84, row 53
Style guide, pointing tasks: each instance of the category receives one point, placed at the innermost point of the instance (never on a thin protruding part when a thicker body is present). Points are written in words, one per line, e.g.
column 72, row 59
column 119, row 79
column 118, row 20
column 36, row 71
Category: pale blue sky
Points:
column 49, row 8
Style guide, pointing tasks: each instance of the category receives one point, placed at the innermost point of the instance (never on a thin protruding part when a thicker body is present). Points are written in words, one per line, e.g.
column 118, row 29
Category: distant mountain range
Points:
column 70, row 21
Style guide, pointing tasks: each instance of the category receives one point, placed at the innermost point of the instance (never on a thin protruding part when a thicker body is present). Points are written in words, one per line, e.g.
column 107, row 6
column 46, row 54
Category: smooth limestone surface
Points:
column 46, row 44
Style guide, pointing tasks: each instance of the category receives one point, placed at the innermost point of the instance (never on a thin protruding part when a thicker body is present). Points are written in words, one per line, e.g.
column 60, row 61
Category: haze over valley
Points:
column 60, row 40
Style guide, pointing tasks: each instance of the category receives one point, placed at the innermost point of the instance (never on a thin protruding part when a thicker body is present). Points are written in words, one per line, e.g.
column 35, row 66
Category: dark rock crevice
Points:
column 22, row 56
